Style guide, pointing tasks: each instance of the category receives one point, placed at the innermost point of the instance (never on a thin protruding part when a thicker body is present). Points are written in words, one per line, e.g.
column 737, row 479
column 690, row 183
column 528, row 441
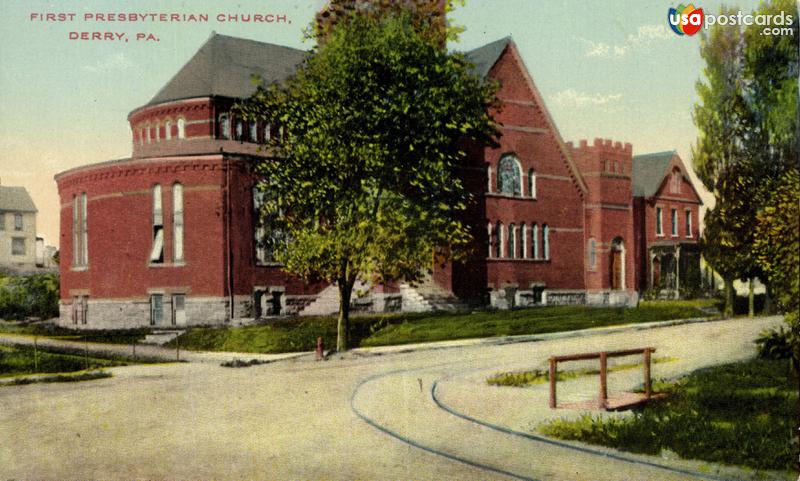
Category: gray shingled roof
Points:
column 485, row 57
column 224, row 65
column 16, row 199
column 649, row 171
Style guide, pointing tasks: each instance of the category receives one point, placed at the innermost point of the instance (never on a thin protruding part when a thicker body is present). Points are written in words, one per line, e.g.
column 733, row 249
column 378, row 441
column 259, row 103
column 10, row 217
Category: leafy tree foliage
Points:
column 748, row 134
column 429, row 16
column 367, row 170
column 33, row 295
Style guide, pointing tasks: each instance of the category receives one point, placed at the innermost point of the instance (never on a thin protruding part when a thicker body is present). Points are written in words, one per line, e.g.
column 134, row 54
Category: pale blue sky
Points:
column 615, row 71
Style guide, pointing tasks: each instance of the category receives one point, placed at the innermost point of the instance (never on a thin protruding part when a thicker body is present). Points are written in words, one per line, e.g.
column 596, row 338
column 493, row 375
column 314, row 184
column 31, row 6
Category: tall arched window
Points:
column 158, row 132
column 177, row 223
column 84, row 231
column 141, row 135
column 267, row 132
column 239, row 129
column 147, row 133
column 524, row 229
column 535, row 240
column 489, row 239
column 500, row 240
column 157, row 250
column 181, row 128
column 512, row 241
column 508, row 176
column 224, row 126
column 546, row 241
column 168, row 130
column 532, row 184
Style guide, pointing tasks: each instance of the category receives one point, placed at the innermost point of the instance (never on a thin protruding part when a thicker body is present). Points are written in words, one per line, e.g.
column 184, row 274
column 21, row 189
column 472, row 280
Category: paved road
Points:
column 364, row 416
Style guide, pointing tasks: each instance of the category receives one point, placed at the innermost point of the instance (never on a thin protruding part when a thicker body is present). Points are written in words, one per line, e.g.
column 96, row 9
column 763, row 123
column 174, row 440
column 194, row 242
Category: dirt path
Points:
column 365, row 416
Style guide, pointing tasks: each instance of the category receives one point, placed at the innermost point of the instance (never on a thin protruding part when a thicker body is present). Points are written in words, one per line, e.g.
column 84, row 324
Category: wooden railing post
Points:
column 603, row 401
column 647, row 386
column 553, row 371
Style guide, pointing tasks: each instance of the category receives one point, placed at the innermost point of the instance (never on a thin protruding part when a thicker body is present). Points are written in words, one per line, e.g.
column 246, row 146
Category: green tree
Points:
column 717, row 151
column 367, row 172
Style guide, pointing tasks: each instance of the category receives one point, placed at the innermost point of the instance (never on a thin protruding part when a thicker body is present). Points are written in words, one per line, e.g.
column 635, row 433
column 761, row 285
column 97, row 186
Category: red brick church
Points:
column 169, row 236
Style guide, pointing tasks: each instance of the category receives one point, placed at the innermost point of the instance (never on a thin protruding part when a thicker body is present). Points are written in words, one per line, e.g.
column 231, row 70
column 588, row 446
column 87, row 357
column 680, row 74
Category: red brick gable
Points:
column 687, row 193
column 523, row 109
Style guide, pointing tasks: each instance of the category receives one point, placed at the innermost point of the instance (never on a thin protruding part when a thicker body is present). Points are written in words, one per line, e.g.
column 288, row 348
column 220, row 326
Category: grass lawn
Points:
column 740, row 413
column 116, row 336
column 70, row 365
column 300, row 334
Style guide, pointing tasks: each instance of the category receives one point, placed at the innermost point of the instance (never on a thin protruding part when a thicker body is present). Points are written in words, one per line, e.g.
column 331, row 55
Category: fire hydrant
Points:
column 320, row 349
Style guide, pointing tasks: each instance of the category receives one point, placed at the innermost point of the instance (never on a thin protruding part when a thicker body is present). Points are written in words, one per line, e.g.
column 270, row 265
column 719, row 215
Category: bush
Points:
column 774, row 344
column 34, row 295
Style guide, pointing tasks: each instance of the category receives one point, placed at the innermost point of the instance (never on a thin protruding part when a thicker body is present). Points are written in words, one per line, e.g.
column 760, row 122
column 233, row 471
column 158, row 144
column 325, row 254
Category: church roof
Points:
column 16, row 199
column 224, row 67
column 486, row 56
column 649, row 171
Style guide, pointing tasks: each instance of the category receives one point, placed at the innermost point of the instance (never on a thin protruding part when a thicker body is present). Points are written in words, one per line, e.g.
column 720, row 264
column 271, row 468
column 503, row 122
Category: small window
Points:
column 156, row 309
column 532, row 184
column 500, row 240
column 512, row 241
column 80, row 309
column 181, row 128
column 674, row 222
column 18, row 246
column 508, row 176
column 267, row 132
column 489, row 229
column 239, row 130
column 688, row 223
column 524, row 230
column 535, row 240
column 177, row 222
column 592, row 253
column 178, row 310
column 148, row 134
column 675, row 182
column 168, row 130
column 224, row 126
column 546, row 242
column 157, row 251
column 158, row 132
column 141, row 135
column 253, row 131
column 18, row 222
column 659, row 221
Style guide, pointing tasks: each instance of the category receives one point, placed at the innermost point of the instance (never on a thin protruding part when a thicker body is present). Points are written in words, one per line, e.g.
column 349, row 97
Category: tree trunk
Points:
column 729, row 296
column 343, row 325
column 751, row 300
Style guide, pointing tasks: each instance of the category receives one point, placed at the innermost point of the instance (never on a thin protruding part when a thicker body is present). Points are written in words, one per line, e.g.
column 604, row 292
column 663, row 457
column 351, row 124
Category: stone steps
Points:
column 327, row 302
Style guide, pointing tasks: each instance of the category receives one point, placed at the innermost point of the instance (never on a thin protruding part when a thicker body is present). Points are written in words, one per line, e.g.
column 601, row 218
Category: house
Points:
column 666, row 220
column 18, row 241
column 170, row 235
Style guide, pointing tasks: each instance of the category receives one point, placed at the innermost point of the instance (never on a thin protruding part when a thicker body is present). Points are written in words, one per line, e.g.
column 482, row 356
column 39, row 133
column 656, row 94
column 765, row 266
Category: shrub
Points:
column 774, row 344
column 34, row 295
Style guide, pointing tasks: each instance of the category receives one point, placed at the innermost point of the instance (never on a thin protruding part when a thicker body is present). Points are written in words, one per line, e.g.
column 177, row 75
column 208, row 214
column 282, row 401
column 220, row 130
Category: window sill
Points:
column 165, row 264
column 508, row 196
column 79, row 268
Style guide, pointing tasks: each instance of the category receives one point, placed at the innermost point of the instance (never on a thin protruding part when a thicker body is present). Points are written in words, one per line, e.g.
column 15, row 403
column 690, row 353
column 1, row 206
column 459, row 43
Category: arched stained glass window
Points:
column 508, row 176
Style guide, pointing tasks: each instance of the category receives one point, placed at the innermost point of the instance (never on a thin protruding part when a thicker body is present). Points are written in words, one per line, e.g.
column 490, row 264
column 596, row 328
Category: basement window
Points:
column 156, row 309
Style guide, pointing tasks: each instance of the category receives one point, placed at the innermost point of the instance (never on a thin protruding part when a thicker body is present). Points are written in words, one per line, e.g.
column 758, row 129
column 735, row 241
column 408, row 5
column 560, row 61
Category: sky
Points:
column 612, row 70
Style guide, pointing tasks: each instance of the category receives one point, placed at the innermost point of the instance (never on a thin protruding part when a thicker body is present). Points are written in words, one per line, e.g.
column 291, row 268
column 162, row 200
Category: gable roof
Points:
column 486, row 56
column 16, row 199
column 649, row 171
column 224, row 65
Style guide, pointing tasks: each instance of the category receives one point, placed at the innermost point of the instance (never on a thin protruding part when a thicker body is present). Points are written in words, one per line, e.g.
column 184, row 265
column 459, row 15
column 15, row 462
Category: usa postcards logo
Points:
column 685, row 20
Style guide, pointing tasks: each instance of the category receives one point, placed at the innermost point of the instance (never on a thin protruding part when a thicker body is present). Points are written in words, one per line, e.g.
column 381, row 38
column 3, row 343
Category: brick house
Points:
column 169, row 236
